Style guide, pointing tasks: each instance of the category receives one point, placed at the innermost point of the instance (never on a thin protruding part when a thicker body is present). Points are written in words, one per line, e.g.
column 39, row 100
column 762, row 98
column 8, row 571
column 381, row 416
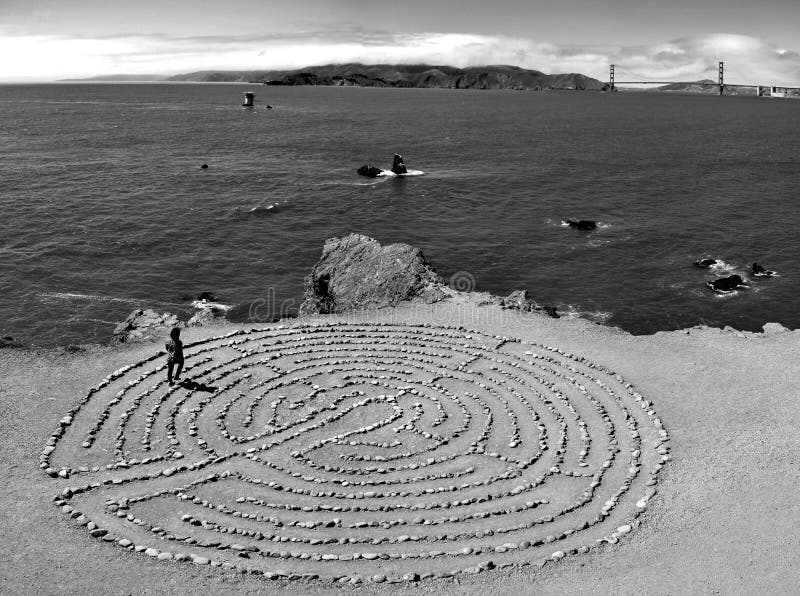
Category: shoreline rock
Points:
column 357, row 272
column 145, row 325
column 6, row 341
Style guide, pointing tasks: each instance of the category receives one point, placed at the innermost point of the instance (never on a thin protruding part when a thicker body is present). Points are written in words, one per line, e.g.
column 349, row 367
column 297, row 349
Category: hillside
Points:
column 402, row 75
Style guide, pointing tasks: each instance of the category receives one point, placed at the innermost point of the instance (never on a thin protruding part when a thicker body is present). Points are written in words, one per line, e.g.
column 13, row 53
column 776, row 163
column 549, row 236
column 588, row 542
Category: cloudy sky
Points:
column 759, row 40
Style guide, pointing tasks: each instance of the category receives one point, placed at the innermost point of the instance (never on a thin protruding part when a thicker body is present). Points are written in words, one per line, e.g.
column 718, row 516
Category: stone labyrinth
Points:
column 360, row 453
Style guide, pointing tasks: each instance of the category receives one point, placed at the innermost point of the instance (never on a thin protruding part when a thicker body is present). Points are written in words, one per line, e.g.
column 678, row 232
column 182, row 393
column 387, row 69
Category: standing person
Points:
column 174, row 354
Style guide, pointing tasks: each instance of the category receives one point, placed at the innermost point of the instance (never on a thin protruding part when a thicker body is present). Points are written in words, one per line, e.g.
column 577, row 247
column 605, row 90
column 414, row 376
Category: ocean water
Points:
column 104, row 207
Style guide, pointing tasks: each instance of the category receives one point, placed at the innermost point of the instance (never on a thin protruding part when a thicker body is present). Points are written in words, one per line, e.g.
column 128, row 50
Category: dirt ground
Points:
column 724, row 521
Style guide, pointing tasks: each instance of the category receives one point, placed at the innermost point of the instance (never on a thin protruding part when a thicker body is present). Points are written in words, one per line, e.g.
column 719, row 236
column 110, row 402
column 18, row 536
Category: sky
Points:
column 758, row 40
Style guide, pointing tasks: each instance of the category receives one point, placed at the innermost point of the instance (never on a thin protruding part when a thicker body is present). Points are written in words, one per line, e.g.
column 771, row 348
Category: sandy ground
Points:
column 725, row 520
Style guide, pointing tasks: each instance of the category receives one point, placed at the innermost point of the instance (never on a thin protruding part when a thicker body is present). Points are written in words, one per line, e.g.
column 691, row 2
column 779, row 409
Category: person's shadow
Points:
column 195, row 386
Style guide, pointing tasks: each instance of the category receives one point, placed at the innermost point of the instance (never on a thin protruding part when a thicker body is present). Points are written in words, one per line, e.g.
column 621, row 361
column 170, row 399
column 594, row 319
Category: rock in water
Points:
column 145, row 325
column 7, row 341
column 760, row 271
column 582, row 224
column 398, row 167
column 369, row 170
column 705, row 263
column 356, row 272
column 726, row 284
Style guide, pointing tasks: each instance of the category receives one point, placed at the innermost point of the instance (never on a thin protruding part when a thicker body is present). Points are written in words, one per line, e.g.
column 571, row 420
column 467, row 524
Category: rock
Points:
column 759, row 271
column 7, row 341
column 145, row 325
column 207, row 297
column 204, row 166
column 773, row 328
column 357, row 272
column 207, row 317
column 726, row 284
column 705, row 263
column 520, row 300
column 582, row 224
column 398, row 167
column 369, row 171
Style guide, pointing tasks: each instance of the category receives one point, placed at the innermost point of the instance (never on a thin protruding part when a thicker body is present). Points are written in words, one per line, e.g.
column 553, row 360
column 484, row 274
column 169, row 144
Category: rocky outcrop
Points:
column 398, row 167
column 357, row 272
column 145, row 325
column 520, row 300
column 208, row 316
column 6, row 341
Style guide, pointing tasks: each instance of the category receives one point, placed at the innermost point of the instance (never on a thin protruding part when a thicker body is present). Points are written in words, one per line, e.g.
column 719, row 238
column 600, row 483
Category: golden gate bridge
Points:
column 775, row 90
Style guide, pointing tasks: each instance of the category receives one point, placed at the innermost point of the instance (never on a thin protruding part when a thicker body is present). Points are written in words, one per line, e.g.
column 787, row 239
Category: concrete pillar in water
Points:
column 249, row 98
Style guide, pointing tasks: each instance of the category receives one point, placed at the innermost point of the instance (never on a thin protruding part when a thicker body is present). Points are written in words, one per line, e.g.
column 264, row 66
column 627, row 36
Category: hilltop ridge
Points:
column 405, row 75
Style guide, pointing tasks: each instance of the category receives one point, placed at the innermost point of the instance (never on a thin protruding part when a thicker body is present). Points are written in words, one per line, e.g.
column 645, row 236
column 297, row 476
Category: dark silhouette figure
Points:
column 174, row 355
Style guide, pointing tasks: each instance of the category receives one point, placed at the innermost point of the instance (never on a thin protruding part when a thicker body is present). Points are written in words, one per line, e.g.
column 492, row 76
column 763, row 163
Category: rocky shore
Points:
column 695, row 493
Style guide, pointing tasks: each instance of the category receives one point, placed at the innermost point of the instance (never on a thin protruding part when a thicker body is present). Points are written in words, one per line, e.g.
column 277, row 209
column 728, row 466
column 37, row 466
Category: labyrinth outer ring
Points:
column 349, row 453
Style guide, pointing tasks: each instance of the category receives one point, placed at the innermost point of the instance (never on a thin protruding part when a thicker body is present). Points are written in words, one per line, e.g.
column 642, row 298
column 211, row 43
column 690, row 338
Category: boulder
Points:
column 520, row 300
column 369, row 170
column 726, row 284
column 774, row 328
column 582, row 224
column 208, row 316
column 6, row 341
column 759, row 271
column 398, row 167
column 357, row 272
column 145, row 325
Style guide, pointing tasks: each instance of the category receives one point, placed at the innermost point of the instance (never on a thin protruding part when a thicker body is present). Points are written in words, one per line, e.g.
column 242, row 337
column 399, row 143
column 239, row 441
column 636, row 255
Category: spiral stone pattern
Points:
column 360, row 453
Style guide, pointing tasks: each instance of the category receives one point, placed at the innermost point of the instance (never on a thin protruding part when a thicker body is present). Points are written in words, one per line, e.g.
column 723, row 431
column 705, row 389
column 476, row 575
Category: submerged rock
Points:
column 357, row 272
column 145, row 325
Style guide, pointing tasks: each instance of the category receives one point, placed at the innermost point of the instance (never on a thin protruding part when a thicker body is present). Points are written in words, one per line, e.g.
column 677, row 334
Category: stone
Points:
column 207, row 317
column 520, row 300
column 774, row 328
column 6, row 341
column 726, row 284
column 585, row 225
column 145, row 325
column 357, row 272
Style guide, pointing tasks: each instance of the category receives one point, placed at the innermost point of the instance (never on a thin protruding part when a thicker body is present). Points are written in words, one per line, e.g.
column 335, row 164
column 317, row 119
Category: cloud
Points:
column 747, row 59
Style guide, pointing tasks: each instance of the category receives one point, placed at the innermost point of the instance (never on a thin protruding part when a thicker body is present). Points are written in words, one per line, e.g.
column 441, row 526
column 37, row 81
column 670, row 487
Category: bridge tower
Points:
column 721, row 78
column 611, row 78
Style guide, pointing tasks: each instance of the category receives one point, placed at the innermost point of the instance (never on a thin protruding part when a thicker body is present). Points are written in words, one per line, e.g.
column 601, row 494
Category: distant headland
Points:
column 405, row 75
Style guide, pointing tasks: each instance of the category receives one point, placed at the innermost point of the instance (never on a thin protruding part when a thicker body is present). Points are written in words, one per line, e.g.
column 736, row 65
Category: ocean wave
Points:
column 204, row 304
column 87, row 297
column 568, row 311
